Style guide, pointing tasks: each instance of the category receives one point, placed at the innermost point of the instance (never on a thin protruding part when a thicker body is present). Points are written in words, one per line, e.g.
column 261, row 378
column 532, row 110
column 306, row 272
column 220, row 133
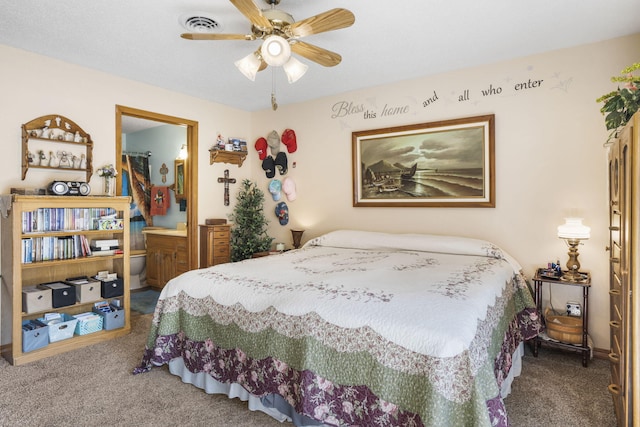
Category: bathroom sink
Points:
column 166, row 232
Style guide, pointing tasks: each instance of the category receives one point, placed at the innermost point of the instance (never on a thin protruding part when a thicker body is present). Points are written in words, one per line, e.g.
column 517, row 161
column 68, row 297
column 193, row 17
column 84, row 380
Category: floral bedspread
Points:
column 356, row 328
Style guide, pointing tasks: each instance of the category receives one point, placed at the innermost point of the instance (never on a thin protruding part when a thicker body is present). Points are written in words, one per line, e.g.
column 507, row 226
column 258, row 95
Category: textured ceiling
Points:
column 390, row 41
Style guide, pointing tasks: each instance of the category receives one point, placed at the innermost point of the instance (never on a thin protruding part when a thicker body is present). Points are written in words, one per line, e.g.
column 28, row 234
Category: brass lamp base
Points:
column 572, row 274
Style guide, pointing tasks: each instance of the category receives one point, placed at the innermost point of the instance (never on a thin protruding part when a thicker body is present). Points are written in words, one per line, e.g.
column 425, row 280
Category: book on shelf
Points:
column 63, row 219
column 51, row 248
column 107, row 252
column 104, row 244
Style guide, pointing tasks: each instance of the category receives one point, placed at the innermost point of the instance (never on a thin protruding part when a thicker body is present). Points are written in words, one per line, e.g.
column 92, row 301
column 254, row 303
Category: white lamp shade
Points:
column 275, row 51
column 249, row 66
column 183, row 154
column 574, row 229
column 294, row 69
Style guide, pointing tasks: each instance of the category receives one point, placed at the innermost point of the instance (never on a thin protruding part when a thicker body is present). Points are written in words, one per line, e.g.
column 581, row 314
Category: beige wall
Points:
column 550, row 161
column 33, row 85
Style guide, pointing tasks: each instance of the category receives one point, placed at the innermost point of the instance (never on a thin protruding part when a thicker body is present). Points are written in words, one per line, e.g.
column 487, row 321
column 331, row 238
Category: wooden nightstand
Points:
column 540, row 278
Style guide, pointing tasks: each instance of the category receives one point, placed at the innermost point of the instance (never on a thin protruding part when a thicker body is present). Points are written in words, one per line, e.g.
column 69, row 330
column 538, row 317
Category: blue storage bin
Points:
column 88, row 325
column 114, row 319
column 63, row 330
column 35, row 338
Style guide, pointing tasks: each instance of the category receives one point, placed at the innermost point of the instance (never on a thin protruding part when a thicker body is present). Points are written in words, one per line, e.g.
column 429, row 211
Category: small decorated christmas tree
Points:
column 249, row 230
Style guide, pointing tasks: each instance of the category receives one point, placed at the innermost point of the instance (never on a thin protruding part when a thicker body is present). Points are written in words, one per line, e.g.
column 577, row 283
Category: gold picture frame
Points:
column 180, row 185
column 448, row 163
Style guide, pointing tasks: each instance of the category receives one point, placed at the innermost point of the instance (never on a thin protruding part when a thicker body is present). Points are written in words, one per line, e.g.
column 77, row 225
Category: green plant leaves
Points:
column 249, row 229
column 620, row 105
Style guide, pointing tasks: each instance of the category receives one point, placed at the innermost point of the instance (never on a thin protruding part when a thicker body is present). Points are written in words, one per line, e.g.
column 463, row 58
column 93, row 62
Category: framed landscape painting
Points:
column 441, row 164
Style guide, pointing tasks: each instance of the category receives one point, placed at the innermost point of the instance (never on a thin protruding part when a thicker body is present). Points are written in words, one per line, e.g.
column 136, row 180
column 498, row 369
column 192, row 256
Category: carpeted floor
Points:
column 94, row 386
column 556, row 390
column 144, row 301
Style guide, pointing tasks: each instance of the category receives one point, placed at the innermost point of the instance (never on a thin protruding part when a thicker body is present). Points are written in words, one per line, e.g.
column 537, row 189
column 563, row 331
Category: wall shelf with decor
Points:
column 58, row 142
column 223, row 156
column 42, row 238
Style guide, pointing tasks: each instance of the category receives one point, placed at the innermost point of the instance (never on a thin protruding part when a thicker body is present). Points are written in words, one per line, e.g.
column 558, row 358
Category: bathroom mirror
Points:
column 188, row 169
column 179, row 187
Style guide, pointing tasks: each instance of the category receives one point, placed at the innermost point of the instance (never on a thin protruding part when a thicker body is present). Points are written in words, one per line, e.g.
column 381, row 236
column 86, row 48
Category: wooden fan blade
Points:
column 249, row 9
column 210, row 36
column 330, row 20
column 316, row 54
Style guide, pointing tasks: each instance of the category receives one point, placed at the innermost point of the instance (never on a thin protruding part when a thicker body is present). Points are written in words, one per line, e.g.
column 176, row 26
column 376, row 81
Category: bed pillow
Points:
column 373, row 240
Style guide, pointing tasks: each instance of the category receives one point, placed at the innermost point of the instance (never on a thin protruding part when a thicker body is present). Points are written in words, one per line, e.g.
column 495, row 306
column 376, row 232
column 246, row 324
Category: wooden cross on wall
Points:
column 226, row 181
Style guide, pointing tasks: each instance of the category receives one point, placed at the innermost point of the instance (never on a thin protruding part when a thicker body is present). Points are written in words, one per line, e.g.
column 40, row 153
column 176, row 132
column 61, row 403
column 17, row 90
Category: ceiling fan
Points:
column 281, row 35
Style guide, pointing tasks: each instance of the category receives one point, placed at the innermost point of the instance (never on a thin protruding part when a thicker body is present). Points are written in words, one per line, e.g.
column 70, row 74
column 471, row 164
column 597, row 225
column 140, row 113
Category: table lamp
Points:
column 573, row 231
column 297, row 237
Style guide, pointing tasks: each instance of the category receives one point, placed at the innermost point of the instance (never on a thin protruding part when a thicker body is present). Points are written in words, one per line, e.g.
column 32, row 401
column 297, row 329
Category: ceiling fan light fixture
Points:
column 294, row 69
column 275, row 51
column 249, row 66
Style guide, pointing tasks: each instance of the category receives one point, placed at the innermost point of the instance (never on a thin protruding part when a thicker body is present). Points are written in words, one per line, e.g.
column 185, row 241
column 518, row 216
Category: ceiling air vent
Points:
column 200, row 23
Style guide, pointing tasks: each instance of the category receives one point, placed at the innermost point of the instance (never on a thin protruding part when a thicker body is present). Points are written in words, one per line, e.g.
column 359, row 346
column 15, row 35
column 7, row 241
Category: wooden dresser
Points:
column 624, row 274
column 215, row 244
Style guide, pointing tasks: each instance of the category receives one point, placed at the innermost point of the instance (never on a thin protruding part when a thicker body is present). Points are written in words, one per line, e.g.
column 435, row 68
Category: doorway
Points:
column 190, row 167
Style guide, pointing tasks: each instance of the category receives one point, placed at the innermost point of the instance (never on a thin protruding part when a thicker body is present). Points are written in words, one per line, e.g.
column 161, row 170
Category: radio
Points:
column 69, row 188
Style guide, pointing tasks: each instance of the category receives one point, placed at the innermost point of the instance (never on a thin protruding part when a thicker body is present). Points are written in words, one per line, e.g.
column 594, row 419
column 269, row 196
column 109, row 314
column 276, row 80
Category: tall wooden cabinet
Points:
column 36, row 220
column 215, row 245
column 624, row 269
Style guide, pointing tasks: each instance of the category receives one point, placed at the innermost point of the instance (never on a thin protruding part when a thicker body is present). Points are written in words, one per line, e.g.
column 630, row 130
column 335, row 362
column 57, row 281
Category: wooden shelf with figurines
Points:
column 233, row 151
column 55, row 142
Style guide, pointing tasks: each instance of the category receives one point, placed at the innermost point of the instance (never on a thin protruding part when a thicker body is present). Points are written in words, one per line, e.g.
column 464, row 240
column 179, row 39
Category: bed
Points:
column 355, row 328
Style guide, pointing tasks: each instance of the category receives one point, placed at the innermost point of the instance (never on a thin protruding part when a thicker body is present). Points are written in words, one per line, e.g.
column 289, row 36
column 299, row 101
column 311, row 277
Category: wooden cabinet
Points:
column 30, row 223
column 624, row 271
column 214, row 245
column 166, row 257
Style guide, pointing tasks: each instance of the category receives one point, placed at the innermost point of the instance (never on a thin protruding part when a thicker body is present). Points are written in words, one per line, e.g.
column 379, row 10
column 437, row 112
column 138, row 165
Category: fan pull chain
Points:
column 274, row 104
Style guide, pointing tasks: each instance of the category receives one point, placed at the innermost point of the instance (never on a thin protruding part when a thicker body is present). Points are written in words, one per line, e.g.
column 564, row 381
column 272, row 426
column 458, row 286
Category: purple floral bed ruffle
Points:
column 312, row 395
column 307, row 393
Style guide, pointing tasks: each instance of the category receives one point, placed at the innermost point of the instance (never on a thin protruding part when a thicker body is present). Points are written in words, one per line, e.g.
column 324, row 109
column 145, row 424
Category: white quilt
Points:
column 424, row 293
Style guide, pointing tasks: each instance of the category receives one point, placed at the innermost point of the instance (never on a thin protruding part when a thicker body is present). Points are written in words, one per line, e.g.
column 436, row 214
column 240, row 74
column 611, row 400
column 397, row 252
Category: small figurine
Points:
column 64, row 159
column 77, row 137
column 30, row 157
column 53, row 161
column 83, row 161
column 42, row 158
column 75, row 161
column 220, row 142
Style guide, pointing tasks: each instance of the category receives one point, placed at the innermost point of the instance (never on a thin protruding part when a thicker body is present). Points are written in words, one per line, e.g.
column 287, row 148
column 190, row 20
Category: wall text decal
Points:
column 369, row 110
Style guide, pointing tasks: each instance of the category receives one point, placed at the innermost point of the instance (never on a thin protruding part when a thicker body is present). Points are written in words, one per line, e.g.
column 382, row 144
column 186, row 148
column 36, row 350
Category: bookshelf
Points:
column 61, row 226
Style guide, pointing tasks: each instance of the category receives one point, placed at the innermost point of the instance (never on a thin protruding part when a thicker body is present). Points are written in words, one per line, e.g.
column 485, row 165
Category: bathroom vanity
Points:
column 167, row 255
